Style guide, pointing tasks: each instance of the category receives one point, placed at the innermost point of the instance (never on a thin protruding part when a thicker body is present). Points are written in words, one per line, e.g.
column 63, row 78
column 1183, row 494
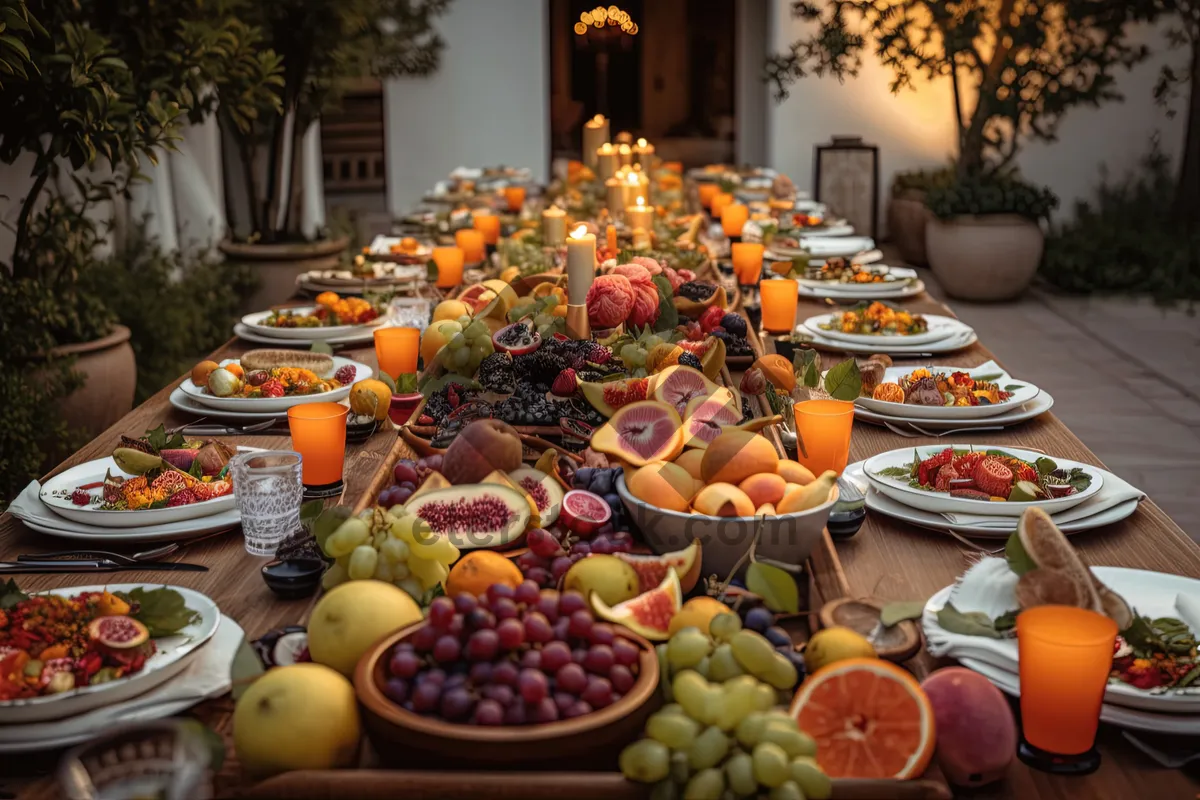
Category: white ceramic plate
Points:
column 897, row 277
column 56, row 495
column 958, row 341
column 942, row 503
column 881, row 503
column 827, row 247
column 1020, row 396
column 939, row 328
column 1015, row 416
column 880, row 291
column 171, row 657
column 1151, row 594
column 362, row 372
column 324, row 334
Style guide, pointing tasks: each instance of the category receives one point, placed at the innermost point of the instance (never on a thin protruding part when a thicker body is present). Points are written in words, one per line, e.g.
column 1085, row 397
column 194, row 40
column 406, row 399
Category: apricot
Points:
column 723, row 500
column 794, row 472
column 663, row 485
column 766, row 487
column 690, row 460
column 736, row 455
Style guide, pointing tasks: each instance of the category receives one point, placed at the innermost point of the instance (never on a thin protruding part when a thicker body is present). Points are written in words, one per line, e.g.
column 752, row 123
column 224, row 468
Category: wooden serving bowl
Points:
column 402, row 738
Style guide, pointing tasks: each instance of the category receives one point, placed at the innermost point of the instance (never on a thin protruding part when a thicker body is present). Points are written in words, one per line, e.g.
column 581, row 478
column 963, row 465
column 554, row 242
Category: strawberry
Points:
column 993, row 477
column 711, row 318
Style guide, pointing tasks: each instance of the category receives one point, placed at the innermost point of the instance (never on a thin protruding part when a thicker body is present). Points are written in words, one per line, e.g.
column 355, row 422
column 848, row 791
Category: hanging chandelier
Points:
column 600, row 18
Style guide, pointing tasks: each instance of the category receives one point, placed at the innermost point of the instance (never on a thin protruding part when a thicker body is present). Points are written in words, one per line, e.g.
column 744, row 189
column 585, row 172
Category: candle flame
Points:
column 641, row 142
column 579, row 232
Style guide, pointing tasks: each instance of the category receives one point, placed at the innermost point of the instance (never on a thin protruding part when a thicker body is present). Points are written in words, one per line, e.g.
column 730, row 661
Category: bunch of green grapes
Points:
column 391, row 546
column 723, row 735
column 468, row 348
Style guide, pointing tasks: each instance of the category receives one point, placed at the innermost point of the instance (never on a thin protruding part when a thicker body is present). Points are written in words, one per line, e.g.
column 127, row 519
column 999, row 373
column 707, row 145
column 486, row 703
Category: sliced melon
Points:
column 475, row 516
column 543, row 489
column 649, row 614
column 653, row 569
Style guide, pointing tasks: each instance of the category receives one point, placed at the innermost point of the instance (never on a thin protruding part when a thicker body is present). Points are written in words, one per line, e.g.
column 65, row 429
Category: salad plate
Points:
column 916, row 477
column 333, row 394
column 976, row 393
column 191, row 625
column 899, row 327
column 1011, row 416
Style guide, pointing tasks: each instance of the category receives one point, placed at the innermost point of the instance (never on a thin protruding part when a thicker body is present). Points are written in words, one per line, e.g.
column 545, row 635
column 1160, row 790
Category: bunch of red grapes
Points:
column 409, row 475
column 553, row 550
column 511, row 657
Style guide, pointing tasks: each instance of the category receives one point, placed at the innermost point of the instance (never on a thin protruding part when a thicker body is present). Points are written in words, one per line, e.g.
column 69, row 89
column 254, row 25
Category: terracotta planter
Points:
column 986, row 258
column 110, row 371
column 907, row 216
column 278, row 265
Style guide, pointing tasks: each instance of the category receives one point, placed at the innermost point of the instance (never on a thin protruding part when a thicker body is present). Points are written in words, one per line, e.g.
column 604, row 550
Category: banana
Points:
column 135, row 462
column 810, row 496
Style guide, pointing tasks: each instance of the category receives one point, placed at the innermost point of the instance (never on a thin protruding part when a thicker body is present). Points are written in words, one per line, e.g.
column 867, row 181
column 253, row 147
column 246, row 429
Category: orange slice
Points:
column 870, row 719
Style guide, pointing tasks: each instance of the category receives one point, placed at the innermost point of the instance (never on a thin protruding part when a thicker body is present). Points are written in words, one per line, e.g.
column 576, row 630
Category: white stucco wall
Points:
column 915, row 128
column 487, row 105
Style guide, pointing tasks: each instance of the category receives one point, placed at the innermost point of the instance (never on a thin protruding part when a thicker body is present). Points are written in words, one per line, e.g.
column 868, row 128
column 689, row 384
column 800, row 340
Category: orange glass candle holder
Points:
column 733, row 219
column 449, row 262
column 396, row 350
column 319, row 436
column 719, row 202
column 779, row 298
column 747, row 262
column 489, row 226
column 470, row 241
column 1065, row 660
column 707, row 192
column 823, row 434
column 515, row 197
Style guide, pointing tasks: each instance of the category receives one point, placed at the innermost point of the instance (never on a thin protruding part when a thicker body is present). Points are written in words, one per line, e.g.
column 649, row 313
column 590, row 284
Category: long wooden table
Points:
column 886, row 559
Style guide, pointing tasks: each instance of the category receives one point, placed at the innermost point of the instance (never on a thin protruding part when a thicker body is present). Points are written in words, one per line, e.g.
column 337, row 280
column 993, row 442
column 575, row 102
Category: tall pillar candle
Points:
column 554, row 226
column 606, row 161
column 595, row 133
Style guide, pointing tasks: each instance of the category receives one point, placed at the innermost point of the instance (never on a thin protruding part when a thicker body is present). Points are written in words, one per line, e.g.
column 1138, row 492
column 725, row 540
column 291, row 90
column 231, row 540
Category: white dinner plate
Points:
column 939, row 327
column 879, row 291
column 1150, row 594
column 1015, row 416
column 950, row 344
column 323, row 334
column 56, row 495
column 882, row 504
column 827, row 247
column 171, row 657
column 362, row 372
column 1022, row 393
column 942, row 503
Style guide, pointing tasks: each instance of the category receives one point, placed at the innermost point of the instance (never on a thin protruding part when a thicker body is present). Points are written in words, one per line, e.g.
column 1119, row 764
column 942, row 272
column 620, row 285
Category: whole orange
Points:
column 476, row 571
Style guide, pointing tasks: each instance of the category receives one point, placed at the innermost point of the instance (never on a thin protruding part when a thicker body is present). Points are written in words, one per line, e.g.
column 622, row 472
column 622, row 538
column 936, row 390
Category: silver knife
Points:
column 94, row 565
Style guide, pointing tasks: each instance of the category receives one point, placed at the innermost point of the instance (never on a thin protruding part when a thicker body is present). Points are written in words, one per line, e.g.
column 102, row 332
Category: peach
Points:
column 794, row 472
column 736, row 455
column 690, row 460
column 723, row 500
column 765, row 487
column 662, row 485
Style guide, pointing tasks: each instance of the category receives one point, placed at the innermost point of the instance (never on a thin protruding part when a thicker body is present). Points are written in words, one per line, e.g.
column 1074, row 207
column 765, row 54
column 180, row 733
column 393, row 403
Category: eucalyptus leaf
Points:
column 972, row 623
column 900, row 611
column 322, row 347
column 1019, row 561
column 776, row 587
column 844, row 381
column 245, row 669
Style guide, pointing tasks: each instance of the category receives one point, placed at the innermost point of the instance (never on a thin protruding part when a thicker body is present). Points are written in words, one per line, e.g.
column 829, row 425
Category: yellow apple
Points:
column 302, row 716
column 352, row 617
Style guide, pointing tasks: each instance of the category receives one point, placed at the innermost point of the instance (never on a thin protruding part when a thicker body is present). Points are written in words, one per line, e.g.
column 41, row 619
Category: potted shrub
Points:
column 321, row 44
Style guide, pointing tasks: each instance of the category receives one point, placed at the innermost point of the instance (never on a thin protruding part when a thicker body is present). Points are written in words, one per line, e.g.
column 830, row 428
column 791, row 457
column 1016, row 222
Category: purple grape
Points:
column 580, row 548
column 511, row 633
column 603, row 633
column 571, row 678
column 489, row 712
column 515, row 714
column 571, row 602
column 480, row 673
column 542, row 543
column 532, row 685
column 559, row 568
column 501, row 694
column 548, row 604
column 537, row 628
column 396, row 690
column 480, row 619
column 621, row 678
column 539, row 575
column 426, row 696
column 464, row 604
column 599, row 659
column 527, row 593
column 505, row 673
column 482, row 645
column 578, row 710
column 447, row 649
column 554, row 656
column 581, row 624
column 625, row 652
column 456, row 704
column 504, row 608
column 531, row 659
column 598, row 693
column 441, row 611
column 424, row 638
column 498, row 590
column 544, row 711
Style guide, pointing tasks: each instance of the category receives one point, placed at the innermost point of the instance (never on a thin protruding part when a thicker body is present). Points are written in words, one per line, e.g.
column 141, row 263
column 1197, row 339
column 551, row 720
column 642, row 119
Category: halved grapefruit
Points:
column 870, row 718
column 649, row 614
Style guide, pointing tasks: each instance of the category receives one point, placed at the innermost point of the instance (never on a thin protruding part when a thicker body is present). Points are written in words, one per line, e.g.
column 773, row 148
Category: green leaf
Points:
column 899, row 611
column 406, row 383
column 387, row 381
column 322, row 347
column 776, row 587
column 10, row 594
column 844, row 381
column 1045, row 465
column 163, row 611
column 972, row 623
column 245, row 669
column 1019, row 561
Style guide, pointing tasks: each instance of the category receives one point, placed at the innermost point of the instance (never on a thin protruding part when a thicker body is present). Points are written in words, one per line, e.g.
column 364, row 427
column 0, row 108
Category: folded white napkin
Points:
column 29, row 507
column 207, row 676
column 1113, row 492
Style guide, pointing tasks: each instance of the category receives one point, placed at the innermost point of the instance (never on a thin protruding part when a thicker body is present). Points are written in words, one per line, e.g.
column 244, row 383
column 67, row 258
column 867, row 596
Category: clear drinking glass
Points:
column 269, row 489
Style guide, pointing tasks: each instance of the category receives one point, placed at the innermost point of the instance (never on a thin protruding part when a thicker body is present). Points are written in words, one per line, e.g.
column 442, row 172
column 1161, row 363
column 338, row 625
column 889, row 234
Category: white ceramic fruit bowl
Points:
column 789, row 538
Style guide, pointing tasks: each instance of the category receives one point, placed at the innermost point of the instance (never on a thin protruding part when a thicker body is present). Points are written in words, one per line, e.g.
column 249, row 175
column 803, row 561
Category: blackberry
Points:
column 735, row 324
column 542, row 366
column 496, row 373
column 697, row 291
column 690, row 360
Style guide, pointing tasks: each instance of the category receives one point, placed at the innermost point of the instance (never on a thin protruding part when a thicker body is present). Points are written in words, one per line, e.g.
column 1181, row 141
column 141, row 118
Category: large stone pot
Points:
column 986, row 258
column 907, row 216
column 278, row 265
column 110, row 371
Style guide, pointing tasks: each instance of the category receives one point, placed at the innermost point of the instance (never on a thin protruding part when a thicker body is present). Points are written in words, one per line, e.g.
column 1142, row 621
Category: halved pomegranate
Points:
column 584, row 512
column 517, row 339
column 118, row 632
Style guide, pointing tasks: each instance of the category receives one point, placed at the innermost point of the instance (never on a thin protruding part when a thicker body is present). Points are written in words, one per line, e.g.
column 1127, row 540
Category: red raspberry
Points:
column 944, row 476
column 711, row 318
column 993, row 477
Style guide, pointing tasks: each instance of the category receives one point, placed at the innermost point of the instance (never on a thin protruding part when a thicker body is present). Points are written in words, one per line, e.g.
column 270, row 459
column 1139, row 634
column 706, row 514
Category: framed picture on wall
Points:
column 846, row 179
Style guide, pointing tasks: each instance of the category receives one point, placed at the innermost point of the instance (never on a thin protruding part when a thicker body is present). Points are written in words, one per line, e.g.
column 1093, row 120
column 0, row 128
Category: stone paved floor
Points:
column 1125, row 376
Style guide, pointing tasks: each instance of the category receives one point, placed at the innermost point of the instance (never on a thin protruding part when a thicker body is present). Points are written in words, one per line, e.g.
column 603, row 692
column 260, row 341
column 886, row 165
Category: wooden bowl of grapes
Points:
column 512, row 679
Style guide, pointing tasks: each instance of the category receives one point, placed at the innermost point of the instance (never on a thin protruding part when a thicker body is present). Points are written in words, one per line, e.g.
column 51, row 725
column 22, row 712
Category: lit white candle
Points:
column 625, row 155
column 581, row 265
column 606, row 161
column 595, row 133
column 643, row 153
column 554, row 226
column 639, row 215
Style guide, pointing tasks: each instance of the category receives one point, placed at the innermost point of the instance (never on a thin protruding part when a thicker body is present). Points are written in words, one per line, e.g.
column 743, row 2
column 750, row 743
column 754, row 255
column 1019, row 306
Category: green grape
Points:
column 461, row 358
column 707, row 784
column 722, row 666
column 691, row 691
column 457, row 342
column 645, row 761
column 750, row 729
column 333, row 576
column 394, row 550
column 476, row 329
column 362, row 562
column 771, row 766
column 665, row 790
column 686, row 648
column 781, row 673
column 412, row 586
column 724, row 626
column 680, row 771
column 789, row 737
column 708, row 748
column 788, row 790
column 349, row 535
column 739, row 775
column 815, row 784
column 752, row 651
column 674, row 730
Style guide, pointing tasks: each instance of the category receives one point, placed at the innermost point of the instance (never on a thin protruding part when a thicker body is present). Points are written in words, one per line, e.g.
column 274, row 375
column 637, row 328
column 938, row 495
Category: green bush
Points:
column 989, row 194
column 1125, row 241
